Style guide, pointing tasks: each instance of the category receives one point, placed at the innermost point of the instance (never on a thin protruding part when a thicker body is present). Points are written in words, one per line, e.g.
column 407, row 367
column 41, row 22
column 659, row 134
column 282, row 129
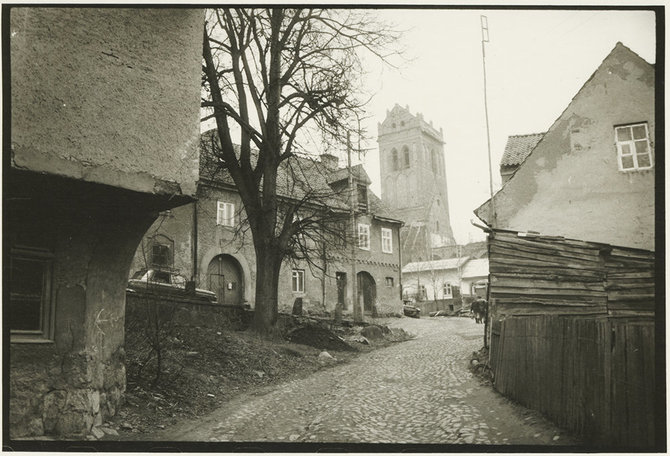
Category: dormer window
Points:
column 362, row 198
column 633, row 148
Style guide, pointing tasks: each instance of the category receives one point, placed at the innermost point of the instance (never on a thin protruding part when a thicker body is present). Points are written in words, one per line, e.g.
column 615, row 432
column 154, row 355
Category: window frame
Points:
column 298, row 280
column 389, row 282
column 224, row 208
column 45, row 334
column 450, row 293
column 631, row 143
column 387, row 235
column 366, row 227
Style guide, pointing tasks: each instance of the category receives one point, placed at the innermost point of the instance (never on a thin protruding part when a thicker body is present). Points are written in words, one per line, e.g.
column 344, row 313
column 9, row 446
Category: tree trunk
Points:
column 268, row 264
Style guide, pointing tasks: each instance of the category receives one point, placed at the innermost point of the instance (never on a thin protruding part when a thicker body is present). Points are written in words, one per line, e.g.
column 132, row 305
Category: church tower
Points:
column 414, row 182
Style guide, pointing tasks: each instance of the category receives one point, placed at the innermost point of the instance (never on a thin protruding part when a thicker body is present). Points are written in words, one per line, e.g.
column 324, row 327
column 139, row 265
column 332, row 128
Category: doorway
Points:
column 225, row 278
column 341, row 279
column 367, row 290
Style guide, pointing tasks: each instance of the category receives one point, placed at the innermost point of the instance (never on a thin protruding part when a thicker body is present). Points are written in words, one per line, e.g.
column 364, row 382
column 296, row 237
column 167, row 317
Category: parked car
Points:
column 411, row 311
column 164, row 282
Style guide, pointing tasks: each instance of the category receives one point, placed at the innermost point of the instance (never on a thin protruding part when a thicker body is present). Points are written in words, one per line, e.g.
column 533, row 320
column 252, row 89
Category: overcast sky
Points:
column 536, row 61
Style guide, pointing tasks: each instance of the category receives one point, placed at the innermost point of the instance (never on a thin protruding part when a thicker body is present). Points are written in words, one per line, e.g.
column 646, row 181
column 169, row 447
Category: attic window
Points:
column 633, row 148
column 362, row 198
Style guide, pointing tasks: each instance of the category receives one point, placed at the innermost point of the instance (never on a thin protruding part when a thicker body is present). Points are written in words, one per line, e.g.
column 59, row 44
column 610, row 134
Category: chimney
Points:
column 331, row 162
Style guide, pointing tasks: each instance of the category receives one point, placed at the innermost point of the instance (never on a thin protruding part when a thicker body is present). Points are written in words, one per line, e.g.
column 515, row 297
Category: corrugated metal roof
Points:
column 476, row 268
column 518, row 147
column 435, row 265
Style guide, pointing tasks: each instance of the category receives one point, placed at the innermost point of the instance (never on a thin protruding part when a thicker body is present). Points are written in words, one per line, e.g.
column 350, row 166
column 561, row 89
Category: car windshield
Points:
column 160, row 277
column 139, row 274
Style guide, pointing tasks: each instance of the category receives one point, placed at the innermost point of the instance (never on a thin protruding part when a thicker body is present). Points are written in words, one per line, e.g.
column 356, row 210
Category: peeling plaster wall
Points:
column 105, row 128
column 570, row 185
column 92, row 87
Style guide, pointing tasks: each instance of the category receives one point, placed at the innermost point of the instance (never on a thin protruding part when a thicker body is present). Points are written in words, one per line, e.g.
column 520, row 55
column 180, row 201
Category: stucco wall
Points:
column 570, row 185
column 432, row 280
column 74, row 378
column 215, row 240
column 93, row 90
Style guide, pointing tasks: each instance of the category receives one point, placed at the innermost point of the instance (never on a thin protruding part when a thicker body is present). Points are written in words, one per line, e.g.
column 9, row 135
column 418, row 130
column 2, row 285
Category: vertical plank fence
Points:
column 594, row 377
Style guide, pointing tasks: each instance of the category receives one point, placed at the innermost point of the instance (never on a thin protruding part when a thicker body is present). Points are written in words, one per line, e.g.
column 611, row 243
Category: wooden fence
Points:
column 595, row 377
column 572, row 333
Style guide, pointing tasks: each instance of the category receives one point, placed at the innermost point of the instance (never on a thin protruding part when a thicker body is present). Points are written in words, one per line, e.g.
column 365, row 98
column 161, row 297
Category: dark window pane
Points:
column 161, row 277
column 641, row 147
column 623, row 134
column 25, row 314
column 26, row 290
column 643, row 161
column 625, row 149
column 639, row 132
column 627, row 162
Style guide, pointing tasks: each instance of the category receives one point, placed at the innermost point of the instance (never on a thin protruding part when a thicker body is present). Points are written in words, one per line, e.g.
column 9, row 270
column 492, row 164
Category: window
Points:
column 225, row 214
column 363, row 236
column 387, row 240
column 298, row 280
column 362, row 198
column 389, row 282
column 160, row 255
column 394, row 159
column 30, row 294
column 446, row 290
column 633, row 149
column 422, row 292
column 405, row 154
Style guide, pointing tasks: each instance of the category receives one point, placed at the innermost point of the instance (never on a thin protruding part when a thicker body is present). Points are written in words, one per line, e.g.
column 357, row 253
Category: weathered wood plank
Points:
column 512, row 282
column 548, row 257
column 550, row 249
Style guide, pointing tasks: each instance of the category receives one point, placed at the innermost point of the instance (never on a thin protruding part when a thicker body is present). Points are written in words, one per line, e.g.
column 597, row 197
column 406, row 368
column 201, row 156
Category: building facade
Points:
column 209, row 241
column 592, row 175
column 414, row 182
column 87, row 96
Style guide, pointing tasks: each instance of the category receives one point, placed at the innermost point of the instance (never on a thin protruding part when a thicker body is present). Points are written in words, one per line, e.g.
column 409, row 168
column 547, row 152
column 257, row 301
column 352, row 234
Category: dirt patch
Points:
column 202, row 368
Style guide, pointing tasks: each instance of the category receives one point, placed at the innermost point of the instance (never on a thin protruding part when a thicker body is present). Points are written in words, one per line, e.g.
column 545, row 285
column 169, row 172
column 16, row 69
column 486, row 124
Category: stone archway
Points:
column 367, row 290
column 226, row 279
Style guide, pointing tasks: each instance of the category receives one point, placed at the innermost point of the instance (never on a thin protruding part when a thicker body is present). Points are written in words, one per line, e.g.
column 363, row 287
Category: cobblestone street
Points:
column 418, row 391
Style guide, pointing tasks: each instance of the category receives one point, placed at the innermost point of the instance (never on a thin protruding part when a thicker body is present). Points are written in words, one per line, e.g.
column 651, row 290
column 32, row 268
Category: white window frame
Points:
column 298, row 280
column 387, row 240
column 364, row 236
column 631, row 145
column 447, row 290
column 225, row 213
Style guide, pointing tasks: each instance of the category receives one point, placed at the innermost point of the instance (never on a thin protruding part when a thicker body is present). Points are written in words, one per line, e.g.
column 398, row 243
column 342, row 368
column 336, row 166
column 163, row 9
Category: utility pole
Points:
column 485, row 39
column 354, row 241
column 492, row 213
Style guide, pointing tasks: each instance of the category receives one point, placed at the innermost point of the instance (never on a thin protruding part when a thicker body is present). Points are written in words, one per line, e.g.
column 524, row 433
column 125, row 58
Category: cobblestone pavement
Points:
column 419, row 391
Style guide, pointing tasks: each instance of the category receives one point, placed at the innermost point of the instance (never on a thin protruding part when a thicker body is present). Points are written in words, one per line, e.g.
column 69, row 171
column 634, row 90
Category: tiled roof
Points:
column 476, row 268
column 435, row 265
column 518, row 147
column 343, row 173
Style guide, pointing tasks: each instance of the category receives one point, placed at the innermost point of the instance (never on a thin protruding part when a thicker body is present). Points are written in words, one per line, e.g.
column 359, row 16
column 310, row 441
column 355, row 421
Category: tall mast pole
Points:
column 485, row 39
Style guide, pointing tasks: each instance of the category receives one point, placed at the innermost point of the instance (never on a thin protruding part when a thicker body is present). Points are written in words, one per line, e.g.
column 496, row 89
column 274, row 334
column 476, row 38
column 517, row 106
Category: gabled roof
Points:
column 435, row 265
column 518, row 147
column 476, row 268
column 620, row 52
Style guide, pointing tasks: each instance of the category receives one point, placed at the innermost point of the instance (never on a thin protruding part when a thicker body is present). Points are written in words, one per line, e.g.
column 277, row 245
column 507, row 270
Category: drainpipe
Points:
column 194, row 276
column 400, row 264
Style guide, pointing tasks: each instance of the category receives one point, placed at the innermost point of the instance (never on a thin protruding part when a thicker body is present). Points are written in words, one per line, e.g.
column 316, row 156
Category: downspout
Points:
column 194, row 276
column 399, row 264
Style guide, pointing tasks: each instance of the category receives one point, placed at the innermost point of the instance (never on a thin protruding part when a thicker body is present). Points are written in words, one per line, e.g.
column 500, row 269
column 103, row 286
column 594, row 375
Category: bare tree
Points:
column 280, row 76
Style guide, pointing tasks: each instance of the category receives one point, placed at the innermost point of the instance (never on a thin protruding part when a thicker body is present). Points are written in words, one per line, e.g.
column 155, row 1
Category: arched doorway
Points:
column 225, row 278
column 367, row 290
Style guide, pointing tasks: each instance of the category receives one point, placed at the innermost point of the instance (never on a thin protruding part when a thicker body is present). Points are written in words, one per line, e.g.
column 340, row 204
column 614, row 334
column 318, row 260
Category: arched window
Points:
column 432, row 160
column 161, row 253
column 394, row 160
column 405, row 155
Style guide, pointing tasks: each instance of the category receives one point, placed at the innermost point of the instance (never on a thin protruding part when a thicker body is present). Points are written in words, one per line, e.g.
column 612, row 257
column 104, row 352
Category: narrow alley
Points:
column 418, row 391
